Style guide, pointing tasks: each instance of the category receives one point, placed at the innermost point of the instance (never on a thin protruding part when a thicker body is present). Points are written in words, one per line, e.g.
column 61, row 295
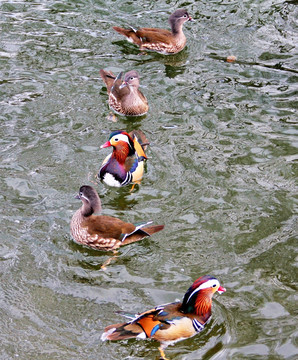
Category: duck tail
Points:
column 119, row 332
column 130, row 34
column 108, row 78
column 141, row 233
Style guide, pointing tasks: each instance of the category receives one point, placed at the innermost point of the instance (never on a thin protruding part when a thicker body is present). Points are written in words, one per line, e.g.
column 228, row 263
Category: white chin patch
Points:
column 110, row 180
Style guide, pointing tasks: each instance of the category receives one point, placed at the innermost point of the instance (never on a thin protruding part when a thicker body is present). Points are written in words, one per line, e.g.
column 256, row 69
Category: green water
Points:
column 221, row 176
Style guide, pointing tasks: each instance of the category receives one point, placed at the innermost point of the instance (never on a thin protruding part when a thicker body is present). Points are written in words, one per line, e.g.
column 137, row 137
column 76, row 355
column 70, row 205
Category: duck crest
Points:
column 198, row 299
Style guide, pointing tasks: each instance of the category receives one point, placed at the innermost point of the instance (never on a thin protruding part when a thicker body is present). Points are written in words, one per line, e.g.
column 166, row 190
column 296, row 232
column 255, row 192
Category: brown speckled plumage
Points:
column 104, row 232
column 160, row 40
column 125, row 98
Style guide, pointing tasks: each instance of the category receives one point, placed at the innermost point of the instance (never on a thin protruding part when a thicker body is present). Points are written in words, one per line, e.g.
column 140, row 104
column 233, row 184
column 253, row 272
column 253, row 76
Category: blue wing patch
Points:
column 134, row 166
column 153, row 331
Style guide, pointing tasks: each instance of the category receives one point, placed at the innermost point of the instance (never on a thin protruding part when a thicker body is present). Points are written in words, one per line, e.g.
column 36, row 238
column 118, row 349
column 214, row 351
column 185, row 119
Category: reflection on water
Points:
column 221, row 175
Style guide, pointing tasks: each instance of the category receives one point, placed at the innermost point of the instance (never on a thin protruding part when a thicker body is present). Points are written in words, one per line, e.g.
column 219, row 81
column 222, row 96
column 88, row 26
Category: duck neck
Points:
column 87, row 210
column 199, row 305
column 176, row 28
column 90, row 208
column 133, row 92
column 120, row 153
column 203, row 307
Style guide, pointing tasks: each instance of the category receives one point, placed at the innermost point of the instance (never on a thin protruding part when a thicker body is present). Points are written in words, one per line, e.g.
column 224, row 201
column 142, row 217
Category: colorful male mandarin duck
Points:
column 104, row 232
column 125, row 98
column 171, row 322
column 162, row 41
column 125, row 164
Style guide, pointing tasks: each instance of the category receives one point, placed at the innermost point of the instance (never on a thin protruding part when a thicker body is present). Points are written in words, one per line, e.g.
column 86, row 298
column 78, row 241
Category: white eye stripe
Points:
column 205, row 285
column 209, row 283
column 120, row 137
column 84, row 197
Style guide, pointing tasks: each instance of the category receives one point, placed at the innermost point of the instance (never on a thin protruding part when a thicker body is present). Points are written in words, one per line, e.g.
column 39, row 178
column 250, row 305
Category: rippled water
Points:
column 221, row 177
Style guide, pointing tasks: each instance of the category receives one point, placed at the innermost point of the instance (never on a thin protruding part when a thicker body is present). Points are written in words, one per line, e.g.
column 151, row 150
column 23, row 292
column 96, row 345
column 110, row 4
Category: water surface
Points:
column 221, row 176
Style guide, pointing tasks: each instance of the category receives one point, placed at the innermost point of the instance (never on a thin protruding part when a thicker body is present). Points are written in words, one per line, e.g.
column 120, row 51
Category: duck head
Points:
column 90, row 199
column 131, row 79
column 178, row 18
column 198, row 298
column 121, row 141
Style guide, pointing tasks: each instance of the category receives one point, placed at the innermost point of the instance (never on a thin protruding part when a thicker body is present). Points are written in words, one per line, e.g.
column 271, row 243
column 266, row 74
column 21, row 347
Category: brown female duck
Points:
column 125, row 98
column 162, row 41
column 104, row 232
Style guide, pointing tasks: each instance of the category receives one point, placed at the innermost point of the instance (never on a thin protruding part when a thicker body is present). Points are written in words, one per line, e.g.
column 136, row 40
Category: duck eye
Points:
column 81, row 194
column 116, row 139
column 185, row 15
column 214, row 285
column 131, row 78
